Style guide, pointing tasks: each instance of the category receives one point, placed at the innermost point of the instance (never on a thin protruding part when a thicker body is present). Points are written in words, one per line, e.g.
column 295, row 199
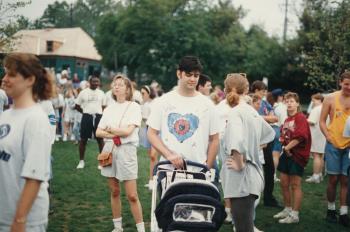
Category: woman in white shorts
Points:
column 120, row 122
column 25, row 146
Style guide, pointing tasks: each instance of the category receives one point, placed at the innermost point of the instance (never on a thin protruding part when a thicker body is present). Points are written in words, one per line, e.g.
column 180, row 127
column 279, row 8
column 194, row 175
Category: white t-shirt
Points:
column 318, row 139
column 136, row 96
column 222, row 109
column 3, row 100
column 50, row 112
column 69, row 108
column 280, row 110
column 91, row 101
column 246, row 131
column 25, row 148
column 113, row 116
column 146, row 109
column 109, row 98
column 185, row 123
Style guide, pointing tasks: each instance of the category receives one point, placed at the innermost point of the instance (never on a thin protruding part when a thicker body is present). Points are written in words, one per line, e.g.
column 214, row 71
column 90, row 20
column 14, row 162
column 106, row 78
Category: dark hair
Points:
column 203, row 79
column 149, row 90
column 127, row 83
column 258, row 85
column 317, row 96
column 189, row 64
column 29, row 65
column 345, row 75
column 235, row 85
column 96, row 73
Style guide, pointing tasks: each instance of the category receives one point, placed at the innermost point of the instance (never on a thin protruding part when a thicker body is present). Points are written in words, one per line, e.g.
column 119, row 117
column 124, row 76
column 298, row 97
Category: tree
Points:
column 324, row 42
column 10, row 22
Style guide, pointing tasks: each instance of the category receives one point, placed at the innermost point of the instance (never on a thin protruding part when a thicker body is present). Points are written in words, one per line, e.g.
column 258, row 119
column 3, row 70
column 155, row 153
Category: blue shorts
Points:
column 337, row 160
column 276, row 145
column 144, row 142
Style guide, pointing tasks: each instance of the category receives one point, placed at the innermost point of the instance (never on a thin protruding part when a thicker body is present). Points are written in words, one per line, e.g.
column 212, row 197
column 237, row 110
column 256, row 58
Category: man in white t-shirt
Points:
column 90, row 102
column 185, row 119
column 204, row 85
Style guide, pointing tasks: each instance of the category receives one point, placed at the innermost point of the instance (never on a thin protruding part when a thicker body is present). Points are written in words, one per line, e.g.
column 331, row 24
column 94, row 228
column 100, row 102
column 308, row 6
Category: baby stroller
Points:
column 188, row 199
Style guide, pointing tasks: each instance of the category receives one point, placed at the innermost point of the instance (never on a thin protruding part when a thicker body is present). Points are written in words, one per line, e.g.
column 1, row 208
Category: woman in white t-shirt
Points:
column 25, row 146
column 147, row 97
column 119, row 127
column 242, row 172
column 68, row 113
column 318, row 141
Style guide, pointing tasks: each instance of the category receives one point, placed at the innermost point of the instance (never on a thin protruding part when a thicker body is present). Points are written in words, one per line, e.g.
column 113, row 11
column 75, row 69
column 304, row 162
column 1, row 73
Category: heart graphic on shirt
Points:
column 182, row 126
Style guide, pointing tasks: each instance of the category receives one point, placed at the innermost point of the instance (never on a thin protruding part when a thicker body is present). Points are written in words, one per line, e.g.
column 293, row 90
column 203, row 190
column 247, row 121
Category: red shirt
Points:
column 297, row 127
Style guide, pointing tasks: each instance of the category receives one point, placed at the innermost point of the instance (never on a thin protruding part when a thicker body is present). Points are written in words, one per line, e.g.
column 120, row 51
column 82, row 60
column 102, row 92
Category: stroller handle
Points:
column 187, row 163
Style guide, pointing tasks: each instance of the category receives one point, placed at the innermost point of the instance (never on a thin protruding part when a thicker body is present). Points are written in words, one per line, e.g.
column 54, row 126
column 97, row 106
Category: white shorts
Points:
column 37, row 228
column 124, row 165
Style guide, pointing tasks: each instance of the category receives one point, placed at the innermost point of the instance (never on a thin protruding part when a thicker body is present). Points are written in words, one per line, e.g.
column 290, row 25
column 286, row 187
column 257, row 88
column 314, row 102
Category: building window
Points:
column 49, row 46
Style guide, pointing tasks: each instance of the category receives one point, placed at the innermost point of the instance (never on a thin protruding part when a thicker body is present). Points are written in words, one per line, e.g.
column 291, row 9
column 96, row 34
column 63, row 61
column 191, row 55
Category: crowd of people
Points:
column 243, row 132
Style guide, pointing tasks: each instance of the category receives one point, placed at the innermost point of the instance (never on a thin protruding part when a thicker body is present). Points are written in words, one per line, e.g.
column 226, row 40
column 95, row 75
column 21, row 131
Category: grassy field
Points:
column 81, row 198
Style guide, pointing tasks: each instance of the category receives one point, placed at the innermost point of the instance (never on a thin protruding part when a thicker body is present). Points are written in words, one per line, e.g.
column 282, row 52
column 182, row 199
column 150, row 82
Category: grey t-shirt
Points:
column 245, row 132
column 25, row 149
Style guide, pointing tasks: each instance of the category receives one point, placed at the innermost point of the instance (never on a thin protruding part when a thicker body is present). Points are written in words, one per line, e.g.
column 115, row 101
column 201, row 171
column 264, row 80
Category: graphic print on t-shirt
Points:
column 182, row 126
column 4, row 130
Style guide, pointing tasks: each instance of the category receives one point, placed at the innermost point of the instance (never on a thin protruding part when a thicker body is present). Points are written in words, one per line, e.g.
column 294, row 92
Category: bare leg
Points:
column 135, row 205
column 285, row 181
column 82, row 146
column 114, row 187
column 295, row 183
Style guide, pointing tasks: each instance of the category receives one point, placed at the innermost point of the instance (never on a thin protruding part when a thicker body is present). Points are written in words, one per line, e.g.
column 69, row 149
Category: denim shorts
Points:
column 337, row 160
column 276, row 145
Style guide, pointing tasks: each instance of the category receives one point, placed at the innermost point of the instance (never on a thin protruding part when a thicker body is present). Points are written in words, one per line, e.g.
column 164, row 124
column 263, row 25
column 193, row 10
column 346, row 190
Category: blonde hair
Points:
column 127, row 83
column 235, row 84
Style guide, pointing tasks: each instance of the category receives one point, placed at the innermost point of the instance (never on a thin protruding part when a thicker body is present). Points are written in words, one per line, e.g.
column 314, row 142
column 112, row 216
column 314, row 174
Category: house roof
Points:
column 71, row 42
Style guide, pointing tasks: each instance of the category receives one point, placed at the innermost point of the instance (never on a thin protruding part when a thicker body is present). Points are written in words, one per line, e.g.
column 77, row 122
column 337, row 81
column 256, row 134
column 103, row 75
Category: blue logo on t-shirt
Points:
column 182, row 126
column 4, row 130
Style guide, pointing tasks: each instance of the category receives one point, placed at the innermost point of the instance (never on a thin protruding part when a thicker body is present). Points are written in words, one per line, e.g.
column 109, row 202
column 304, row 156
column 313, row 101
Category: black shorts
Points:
column 88, row 125
column 288, row 166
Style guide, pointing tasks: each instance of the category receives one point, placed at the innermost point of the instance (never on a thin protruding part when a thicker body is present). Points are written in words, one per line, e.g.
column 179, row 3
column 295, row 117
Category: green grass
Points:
column 81, row 198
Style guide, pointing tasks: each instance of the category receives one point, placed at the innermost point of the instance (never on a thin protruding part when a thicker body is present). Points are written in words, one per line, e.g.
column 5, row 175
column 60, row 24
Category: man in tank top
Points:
column 337, row 107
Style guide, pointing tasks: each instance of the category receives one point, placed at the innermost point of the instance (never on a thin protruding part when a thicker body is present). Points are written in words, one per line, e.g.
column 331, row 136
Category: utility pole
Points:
column 285, row 27
column 71, row 15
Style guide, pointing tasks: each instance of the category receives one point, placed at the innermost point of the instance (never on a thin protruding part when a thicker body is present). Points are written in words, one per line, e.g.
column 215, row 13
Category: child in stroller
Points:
column 188, row 199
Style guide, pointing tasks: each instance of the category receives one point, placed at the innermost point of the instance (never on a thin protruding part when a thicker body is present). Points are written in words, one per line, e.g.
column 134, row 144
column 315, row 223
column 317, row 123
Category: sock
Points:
column 294, row 214
column 117, row 223
column 331, row 205
column 228, row 210
column 140, row 227
column 343, row 210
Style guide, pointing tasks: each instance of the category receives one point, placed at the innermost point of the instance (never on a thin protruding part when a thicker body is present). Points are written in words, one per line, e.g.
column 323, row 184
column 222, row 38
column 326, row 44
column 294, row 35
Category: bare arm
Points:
column 78, row 108
column 290, row 145
column 212, row 149
column 25, row 202
column 158, row 144
column 111, row 132
column 270, row 118
column 326, row 109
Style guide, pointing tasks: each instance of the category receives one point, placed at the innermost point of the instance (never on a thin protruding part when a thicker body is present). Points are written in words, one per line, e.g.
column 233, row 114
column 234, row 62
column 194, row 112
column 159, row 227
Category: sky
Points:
column 269, row 14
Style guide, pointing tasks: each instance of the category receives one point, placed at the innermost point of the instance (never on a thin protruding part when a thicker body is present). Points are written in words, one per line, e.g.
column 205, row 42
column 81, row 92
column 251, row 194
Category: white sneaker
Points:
column 72, row 137
column 257, row 230
column 283, row 214
column 57, row 138
column 150, row 185
column 313, row 179
column 81, row 164
column 228, row 218
column 99, row 167
column 289, row 220
column 64, row 138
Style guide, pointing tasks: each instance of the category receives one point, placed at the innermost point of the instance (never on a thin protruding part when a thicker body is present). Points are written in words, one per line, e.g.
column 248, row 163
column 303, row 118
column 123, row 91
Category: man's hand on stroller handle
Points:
column 176, row 160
